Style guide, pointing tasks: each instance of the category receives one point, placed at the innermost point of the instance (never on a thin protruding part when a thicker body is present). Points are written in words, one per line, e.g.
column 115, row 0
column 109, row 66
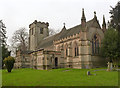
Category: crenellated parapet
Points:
column 39, row 23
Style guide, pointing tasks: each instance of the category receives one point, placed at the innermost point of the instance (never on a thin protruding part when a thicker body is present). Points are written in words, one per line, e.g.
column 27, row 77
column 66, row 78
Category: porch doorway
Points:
column 56, row 62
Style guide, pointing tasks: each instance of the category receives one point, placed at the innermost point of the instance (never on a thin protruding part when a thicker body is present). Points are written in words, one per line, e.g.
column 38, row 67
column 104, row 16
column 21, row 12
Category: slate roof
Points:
column 47, row 42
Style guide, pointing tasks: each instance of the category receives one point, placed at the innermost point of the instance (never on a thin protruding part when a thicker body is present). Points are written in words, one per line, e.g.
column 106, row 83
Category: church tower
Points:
column 38, row 31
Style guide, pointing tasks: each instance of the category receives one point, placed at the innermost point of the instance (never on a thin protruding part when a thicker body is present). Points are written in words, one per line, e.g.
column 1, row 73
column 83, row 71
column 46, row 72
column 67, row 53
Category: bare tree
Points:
column 20, row 39
column 53, row 31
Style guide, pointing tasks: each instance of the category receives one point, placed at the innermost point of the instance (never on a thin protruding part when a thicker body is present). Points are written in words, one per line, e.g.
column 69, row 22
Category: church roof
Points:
column 65, row 33
column 47, row 42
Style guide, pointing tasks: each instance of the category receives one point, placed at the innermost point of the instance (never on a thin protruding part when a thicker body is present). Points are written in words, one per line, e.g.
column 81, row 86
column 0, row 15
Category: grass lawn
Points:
column 59, row 77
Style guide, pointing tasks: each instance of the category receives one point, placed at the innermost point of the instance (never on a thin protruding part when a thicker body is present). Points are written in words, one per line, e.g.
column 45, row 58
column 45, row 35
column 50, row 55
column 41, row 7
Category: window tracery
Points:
column 95, row 44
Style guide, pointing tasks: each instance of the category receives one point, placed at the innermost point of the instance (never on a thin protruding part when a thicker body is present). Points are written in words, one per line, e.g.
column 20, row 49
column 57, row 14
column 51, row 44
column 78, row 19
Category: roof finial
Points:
column 83, row 19
column 95, row 15
column 64, row 28
column 104, row 24
column 94, row 12
column 83, row 15
column 104, row 19
column 64, row 24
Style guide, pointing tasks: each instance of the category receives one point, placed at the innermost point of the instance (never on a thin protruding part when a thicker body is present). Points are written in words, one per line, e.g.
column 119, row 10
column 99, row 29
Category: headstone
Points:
column 108, row 69
column 110, row 66
column 88, row 72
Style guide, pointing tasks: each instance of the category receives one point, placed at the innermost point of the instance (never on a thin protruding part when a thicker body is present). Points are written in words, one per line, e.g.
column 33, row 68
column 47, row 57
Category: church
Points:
column 77, row 47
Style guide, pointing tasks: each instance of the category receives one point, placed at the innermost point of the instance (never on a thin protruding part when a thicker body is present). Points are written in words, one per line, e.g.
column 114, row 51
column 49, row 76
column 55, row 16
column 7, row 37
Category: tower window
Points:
column 41, row 30
column 32, row 31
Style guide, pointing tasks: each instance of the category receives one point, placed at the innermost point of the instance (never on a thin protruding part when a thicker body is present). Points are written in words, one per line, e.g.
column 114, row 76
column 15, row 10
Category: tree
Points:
column 20, row 40
column 9, row 63
column 52, row 31
column 109, row 47
column 2, row 33
column 115, row 16
column 115, row 21
column 3, row 44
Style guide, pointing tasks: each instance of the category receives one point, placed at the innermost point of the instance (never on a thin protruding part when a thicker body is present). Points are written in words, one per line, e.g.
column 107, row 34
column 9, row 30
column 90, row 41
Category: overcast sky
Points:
column 20, row 13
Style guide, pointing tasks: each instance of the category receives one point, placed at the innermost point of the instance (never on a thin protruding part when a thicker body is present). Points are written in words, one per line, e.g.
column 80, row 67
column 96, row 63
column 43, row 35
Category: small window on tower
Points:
column 32, row 31
column 41, row 30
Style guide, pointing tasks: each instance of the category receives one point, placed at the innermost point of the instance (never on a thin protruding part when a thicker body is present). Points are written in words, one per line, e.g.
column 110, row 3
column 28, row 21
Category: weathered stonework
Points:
column 77, row 47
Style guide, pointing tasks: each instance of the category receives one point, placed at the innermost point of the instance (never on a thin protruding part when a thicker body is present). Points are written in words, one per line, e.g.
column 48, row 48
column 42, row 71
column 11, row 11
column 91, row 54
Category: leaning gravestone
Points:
column 88, row 72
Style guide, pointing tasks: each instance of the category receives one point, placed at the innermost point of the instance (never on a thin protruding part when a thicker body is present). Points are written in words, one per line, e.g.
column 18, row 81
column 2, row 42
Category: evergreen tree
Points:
column 5, row 53
column 115, row 21
column 115, row 17
column 9, row 63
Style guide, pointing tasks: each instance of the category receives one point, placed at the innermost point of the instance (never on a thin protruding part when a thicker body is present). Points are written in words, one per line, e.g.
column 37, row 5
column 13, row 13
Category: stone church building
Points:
column 77, row 47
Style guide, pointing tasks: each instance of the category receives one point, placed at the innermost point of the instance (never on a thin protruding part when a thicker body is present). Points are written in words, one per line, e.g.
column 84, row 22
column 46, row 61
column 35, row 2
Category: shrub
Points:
column 9, row 63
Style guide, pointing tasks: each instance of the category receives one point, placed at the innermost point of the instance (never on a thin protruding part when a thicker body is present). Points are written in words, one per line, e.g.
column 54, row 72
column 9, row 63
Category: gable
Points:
column 92, row 31
column 93, row 23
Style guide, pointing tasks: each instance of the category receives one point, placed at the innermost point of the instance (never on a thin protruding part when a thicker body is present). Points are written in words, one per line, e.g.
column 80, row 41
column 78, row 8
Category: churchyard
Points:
column 60, row 77
column 90, row 44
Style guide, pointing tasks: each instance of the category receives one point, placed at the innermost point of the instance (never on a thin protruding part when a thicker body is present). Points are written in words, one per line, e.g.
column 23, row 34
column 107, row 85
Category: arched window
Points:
column 76, row 51
column 92, row 46
column 66, row 52
column 95, row 44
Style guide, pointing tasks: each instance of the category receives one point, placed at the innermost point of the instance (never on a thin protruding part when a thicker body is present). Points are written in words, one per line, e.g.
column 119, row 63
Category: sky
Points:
column 20, row 13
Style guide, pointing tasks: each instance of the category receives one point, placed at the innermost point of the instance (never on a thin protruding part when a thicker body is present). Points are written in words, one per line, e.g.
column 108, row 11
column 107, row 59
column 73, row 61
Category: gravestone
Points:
column 88, row 73
column 109, row 66
column 108, row 69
